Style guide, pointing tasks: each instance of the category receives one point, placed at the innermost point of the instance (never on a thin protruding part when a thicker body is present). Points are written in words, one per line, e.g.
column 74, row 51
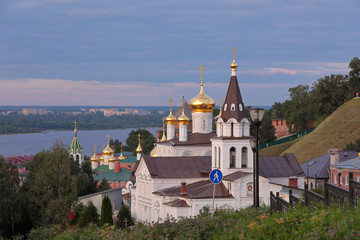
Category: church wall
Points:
column 192, row 151
column 285, row 181
column 202, row 122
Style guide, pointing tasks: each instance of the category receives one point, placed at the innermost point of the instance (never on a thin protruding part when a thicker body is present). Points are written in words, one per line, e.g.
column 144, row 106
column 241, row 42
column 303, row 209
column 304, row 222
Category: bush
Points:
column 123, row 214
column 106, row 211
column 41, row 233
column 89, row 214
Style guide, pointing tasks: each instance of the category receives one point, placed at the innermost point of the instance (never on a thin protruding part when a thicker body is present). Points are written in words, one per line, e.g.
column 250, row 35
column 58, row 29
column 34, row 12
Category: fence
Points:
column 286, row 139
column 332, row 194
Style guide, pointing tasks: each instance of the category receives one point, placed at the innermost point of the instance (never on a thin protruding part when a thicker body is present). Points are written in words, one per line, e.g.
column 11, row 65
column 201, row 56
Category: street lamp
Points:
column 339, row 173
column 253, row 148
column 256, row 115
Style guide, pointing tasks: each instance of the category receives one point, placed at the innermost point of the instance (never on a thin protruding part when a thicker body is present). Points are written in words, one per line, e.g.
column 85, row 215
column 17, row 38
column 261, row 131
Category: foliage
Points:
column 88, row 215
column 104, row 185
column 354, row 76
column 123, row 214
column 353, row 146
column 106, row 211
column 41, row 233
column 147, row 141
column 116, row 145
column 300, row 222
column 10, row 198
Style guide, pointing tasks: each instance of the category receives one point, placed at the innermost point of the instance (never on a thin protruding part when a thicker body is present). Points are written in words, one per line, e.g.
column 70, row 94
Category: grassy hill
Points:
column 340, row 128
column 277, row 149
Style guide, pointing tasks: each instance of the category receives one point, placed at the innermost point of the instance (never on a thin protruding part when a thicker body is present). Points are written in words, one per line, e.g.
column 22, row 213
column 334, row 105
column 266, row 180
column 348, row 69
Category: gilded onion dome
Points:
column 94, row 158
column 108, row 150
column 139, row 149
column 202, row 102
column 121, row 157
column 171, row 118
column 163, row 138
column 183, row 119
column 154, row 152
column 112, row 158
column 102, row 158
column 233, row 65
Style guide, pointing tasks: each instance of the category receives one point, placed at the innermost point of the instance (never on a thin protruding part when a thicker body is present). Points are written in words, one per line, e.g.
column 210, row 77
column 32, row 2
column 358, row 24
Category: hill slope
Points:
column 340, row 128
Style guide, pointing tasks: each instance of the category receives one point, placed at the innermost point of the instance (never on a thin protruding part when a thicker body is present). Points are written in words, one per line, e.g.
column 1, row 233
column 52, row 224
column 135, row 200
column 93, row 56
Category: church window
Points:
column 244, row 157
column 203, row 125
column 233, row 107
column 77, row 157
column 225, row 106
column 232, row 157
column 240, row 107
column 232, row 129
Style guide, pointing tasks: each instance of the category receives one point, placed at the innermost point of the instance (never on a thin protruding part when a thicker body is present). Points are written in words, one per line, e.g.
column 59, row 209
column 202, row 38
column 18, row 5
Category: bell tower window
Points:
column 240, row 107
column 232, row 157
column 244, row 157
column 232, row 107
column 225, row 106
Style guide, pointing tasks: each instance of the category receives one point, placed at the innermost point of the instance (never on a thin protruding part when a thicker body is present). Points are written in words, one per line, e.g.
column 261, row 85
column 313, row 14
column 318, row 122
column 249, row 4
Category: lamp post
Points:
column 339, row 173
column 253, row 148
column 256, row 115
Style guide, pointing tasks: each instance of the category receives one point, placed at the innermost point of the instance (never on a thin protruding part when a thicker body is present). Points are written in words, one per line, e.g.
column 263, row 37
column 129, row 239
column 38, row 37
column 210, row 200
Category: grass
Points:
column 277, row 149
column 299, row 223
column 339, row 129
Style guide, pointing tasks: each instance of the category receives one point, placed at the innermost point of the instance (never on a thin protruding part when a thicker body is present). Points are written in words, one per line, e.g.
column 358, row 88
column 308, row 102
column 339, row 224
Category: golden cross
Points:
column 108, row 140
column 201, row 72
column 183, row 103
column 94, row 149
column 139, row 138
column 163, row 119
column 171, row 101
column 234, row 51
column 220, row 103
column 75, row 124
column 121, row 146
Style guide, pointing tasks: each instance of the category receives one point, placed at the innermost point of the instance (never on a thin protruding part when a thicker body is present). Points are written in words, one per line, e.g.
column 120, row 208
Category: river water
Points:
column 27, row 144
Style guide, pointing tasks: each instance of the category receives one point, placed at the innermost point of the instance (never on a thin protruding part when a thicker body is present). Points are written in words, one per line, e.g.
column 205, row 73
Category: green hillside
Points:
column 340, row 128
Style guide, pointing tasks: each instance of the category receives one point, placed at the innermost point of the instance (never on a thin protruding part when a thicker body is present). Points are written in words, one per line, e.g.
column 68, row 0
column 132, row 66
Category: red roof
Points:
column 18, row 160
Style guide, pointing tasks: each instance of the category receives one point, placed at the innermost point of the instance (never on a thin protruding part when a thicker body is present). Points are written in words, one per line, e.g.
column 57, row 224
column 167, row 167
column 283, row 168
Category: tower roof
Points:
column 75, row 144
column 233, row 106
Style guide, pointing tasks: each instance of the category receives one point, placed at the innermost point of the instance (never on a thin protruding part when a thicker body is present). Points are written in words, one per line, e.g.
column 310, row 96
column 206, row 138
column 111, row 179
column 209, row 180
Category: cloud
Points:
column 39, row 3
column 93, row 12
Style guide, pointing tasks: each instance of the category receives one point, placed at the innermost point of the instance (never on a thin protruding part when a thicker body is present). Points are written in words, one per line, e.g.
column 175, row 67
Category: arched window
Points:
column 77, row 157
column 240, row 107
column 225, row 107
column 244, row 157
column 232, row 157
column 232, row 107
column 232, row 129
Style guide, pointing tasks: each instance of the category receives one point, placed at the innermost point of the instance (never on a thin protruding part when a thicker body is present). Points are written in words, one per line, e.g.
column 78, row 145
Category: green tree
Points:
column 10, row 198
column 106, row 211
column 354, row 76
column 147, row 141
column 104, row 185
column 88, row 215
column 124, row 218
column 353, row 146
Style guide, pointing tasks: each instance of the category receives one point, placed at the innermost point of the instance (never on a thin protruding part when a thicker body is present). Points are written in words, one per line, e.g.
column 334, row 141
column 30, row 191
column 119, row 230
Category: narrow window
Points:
column 244, row 157
column 225, row 107
column 346, row 180
column 232, row 157
column 240, row 107
column 335, row 178
column 203, row 124
column 233, row 107
column 232, row 129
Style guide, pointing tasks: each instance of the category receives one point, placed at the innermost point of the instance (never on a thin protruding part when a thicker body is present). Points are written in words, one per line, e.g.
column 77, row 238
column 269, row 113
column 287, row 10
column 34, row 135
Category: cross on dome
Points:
column 201, row 74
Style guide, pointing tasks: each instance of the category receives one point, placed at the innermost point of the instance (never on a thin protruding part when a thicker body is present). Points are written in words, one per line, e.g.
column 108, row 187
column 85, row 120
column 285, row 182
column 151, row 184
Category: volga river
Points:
column 27, row 144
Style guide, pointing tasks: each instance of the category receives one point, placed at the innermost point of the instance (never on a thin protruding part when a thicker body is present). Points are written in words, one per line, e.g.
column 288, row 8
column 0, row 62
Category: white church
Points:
column 173, row 181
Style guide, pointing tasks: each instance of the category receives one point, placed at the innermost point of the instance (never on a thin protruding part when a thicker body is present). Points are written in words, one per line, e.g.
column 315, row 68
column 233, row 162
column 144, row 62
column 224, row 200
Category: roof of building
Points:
column 236, row 175
column 125, row 154
column 131, row 160
column 178, row 167
column 177, row 203
column 187, row 110
column 318, row 167
column 110, row 175
column 349, row 164
column 75, row 145
column 17, row 160
column 193, row 139
column 197, row 190
column 233, row 95
column 98, row 193
column 280, row 166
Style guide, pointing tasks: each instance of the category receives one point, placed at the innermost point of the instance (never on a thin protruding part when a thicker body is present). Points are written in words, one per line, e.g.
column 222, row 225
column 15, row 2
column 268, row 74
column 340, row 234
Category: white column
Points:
column 227, row 129
column 182, row 132
column 170, row 131
column 219, row 131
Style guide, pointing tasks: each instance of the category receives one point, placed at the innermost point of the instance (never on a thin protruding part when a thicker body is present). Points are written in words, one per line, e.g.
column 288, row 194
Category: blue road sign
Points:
column 216, row 176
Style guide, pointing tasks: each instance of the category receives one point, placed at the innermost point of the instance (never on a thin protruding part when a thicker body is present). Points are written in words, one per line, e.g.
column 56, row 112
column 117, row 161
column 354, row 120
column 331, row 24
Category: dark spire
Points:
column 233, row 106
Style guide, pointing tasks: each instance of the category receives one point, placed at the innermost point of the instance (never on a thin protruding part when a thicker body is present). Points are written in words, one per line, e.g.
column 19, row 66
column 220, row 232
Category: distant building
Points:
column 339, row 172
column 281, row 128
column 75, row 150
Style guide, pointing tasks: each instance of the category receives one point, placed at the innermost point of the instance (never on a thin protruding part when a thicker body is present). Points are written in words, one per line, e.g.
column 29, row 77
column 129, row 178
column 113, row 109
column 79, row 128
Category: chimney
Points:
column 117, row 167
column 183, row 188
column 334, row 156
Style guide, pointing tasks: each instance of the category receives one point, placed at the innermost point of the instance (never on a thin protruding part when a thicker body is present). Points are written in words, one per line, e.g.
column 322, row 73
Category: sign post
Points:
column 215, row 177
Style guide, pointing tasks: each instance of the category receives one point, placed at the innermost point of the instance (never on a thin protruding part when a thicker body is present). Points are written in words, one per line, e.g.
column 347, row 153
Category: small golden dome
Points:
column 121, row 157
column 233, row 65
column 154, row 152
column 139, row 149
column 112, row 158
column 163, row 138
column 94, row 158
column 202, row 102
column 170, row 119
column 183, row 119
column 102, row 158
column 108, row 150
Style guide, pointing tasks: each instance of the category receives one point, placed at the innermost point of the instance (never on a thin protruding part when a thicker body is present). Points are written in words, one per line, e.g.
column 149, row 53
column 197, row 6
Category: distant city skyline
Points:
column 141, row 53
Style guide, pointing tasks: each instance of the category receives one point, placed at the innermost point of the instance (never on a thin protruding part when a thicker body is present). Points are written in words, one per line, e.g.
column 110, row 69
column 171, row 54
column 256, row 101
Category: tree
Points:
column 147, row 141
column 10, row 198
column 104, row 185
column 124, row 218
column 354, row 76
column 106, row 211
column 353, row 146
column 88, row 215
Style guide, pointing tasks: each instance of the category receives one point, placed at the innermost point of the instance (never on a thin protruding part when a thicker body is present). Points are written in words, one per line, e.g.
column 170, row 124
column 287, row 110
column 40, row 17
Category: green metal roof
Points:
column 123, row 175
column 131, row 159
column 75, row 145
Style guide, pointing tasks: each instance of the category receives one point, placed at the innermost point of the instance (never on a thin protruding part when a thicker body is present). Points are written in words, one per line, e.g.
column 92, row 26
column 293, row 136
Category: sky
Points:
column 142, row 53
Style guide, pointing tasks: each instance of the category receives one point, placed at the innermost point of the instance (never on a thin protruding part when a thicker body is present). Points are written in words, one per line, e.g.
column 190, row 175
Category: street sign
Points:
column 216, row 176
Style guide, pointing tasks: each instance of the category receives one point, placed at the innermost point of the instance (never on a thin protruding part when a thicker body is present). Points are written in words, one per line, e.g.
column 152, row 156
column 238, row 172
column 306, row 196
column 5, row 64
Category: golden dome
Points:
column 183, row 119
column 154, row 152
column 102, row 158
column 163, row 138
column 108, row 150
column 121, row 157
column 202, row 102
column 139, row 149
column 112, row 158
column 94, row 158
column 170, row 119
column 233, row 65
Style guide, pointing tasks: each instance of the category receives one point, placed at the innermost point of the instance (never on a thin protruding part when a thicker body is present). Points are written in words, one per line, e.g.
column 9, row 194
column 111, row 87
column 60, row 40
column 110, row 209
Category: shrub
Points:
column 123, row 214
column 89, row 214
column 106, row 211
column 41, row 233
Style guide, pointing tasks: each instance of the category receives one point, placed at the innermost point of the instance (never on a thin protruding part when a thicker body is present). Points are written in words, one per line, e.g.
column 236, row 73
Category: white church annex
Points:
column 173, row 181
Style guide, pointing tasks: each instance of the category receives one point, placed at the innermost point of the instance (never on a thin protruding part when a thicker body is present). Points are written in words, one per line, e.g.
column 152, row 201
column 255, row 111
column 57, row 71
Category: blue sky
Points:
column 118, row 52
